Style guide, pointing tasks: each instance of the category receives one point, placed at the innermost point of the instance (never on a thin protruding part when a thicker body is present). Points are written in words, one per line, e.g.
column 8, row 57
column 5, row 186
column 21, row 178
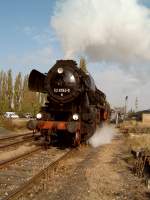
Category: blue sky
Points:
column 19, row 20
column 25, row 30
column 145, row 2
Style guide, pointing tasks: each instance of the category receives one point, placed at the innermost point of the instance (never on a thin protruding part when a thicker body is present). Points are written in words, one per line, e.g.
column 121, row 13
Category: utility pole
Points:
column 125, row 106
column 136, row 104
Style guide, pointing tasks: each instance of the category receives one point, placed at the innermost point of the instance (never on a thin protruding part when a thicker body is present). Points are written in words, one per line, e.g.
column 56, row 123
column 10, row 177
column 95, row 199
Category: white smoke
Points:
column 110, row 30
column 102, row 136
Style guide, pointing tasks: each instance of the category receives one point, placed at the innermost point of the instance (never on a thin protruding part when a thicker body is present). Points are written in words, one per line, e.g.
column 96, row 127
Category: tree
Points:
column 4, row 98
column 18, row 93
column 9, row 89
column 26, row 100
column 1, row 81
column 17, row 96
column 41, row 98
column 83, row 65
column 30, row 100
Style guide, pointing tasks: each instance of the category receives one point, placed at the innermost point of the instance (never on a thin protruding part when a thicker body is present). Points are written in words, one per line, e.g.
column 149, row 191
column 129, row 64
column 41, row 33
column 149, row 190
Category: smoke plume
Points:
column 109, row 33
column 102, row 136
column 109, row 30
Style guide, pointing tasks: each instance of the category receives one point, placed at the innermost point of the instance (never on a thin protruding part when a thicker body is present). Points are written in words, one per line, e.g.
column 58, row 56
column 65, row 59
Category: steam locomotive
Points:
column 74, row 107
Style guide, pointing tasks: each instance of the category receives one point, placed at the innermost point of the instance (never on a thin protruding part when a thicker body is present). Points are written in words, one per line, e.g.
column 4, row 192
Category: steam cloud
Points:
column 102, row 136
column 112, row 33
column 104, row 30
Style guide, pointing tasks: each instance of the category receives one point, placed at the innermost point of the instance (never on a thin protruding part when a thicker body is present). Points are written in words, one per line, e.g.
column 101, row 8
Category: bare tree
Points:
column 9, row 89
column 83, row 65
column 18, row 92
column 4, row 93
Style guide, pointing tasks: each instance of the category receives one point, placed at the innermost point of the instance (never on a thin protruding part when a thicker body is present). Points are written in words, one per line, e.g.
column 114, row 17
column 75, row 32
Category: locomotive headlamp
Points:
column 39, row 116
column 75, row 116
column 60, row 70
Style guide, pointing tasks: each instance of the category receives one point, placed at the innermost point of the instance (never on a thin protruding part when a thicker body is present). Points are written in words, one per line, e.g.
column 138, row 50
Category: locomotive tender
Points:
column 74, row 107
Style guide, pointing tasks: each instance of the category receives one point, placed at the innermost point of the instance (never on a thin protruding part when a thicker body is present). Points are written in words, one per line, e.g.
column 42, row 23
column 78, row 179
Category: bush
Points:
column 11, row 124
column 137, row 142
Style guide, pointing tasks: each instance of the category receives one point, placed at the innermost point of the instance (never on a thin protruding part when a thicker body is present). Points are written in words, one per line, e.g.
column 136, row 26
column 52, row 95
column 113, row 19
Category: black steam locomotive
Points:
column 74, row 105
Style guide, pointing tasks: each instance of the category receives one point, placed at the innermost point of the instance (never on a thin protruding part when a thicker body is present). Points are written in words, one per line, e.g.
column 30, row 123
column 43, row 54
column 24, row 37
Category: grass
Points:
column 138, row 136
column 13, row 125
column 134, row 124
column 138, row 142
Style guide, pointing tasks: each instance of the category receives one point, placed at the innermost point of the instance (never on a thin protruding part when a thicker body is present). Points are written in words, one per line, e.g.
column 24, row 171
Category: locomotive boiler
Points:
column 74, row 107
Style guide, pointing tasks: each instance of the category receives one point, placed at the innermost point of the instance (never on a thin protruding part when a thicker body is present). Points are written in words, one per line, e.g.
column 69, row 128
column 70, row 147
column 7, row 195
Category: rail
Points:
column 17, row 158
column 15, row 136
column 17, row 142
column 23, row 188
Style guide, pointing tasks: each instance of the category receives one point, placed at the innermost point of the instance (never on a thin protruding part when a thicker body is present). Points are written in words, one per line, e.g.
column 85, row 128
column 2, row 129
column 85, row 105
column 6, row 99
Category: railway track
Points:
column 5, row 163
column 16, row 177
column 2, row 139
column 14, row 141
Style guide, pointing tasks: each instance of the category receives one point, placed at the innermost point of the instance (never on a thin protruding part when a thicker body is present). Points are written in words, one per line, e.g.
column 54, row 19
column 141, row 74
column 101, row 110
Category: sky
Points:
column 113, row 36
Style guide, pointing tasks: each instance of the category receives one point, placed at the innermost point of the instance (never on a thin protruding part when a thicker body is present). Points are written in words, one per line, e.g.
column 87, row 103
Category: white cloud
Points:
column 106, row 30
column 109, row 31
column 42, row 37
column 117, row 84
column 39, row 59
column 28, row 30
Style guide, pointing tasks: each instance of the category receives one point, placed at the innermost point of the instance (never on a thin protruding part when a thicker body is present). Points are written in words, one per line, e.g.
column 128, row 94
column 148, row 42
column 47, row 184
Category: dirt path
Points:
column 96, row 174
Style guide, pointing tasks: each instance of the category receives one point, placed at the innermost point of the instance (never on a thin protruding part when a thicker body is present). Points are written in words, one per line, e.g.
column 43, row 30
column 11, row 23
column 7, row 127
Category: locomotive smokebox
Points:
column 36, row 81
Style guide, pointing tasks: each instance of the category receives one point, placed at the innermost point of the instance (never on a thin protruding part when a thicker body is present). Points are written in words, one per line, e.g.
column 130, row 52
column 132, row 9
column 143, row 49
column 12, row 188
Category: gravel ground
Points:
column 16, row 174
column 95, row 174
column 4, row 132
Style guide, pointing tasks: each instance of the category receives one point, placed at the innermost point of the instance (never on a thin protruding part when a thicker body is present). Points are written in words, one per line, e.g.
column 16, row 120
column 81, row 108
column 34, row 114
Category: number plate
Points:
column 61, row 90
